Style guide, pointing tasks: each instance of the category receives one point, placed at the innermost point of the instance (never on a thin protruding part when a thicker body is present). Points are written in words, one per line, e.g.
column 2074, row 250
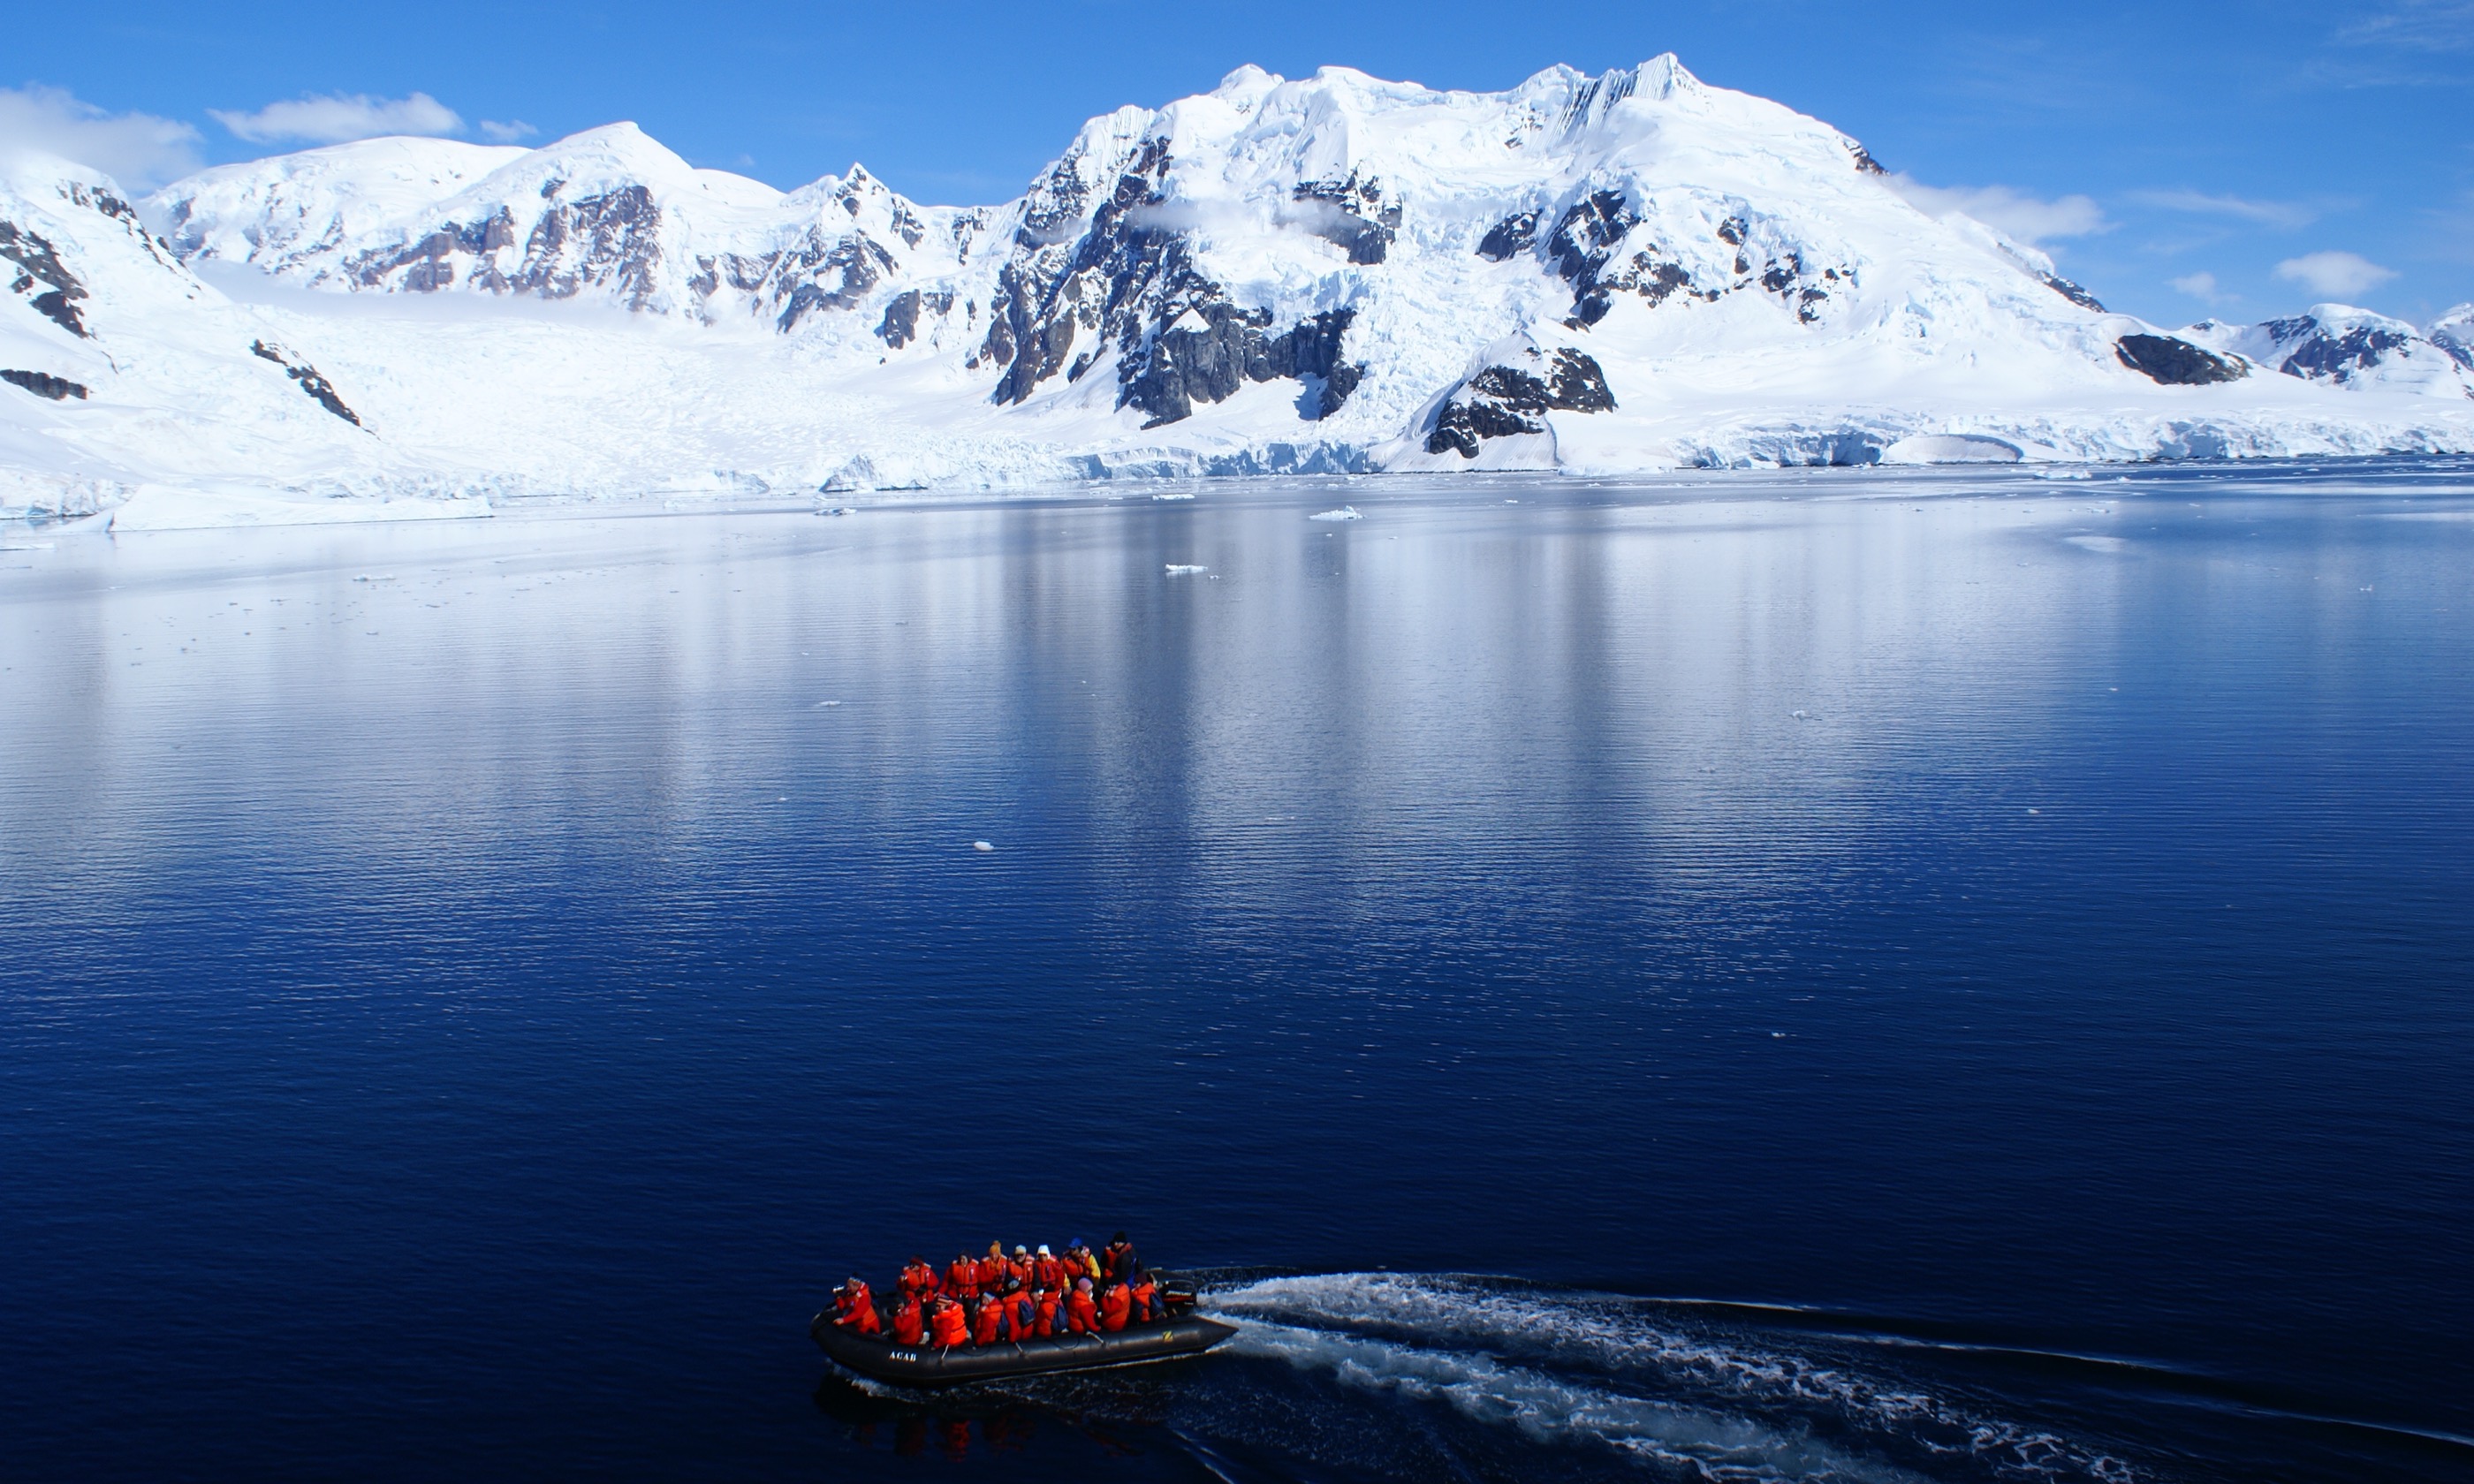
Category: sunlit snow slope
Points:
column 1591, row 274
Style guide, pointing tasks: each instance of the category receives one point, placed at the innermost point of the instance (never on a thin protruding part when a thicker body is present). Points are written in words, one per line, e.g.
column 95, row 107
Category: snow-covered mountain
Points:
column 2345, row 346
column 1627, row 272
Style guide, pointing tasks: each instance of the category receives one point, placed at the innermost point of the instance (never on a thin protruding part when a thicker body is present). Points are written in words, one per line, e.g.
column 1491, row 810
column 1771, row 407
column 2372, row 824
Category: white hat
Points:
column 1044, row 1251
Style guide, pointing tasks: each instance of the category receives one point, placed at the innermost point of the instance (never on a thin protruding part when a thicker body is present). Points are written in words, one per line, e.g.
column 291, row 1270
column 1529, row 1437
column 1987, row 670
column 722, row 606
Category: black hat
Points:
column 1114, row 1240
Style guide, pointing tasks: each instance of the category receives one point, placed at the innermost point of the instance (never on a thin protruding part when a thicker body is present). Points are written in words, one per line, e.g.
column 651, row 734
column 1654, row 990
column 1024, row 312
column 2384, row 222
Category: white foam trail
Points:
column 1467, row 1324
column 1711, row 1444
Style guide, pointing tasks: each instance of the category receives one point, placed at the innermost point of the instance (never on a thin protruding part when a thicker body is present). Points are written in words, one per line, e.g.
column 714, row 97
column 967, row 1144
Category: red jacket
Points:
column 984, row 1331
column 949, row 1325
column 1081, row 1315
column 963, row 1278
column 1048, row 1271
column 1045, row 1302
column 1115, row 1305
column 857, row 1310
column 919, row 1278
column 909, row 1327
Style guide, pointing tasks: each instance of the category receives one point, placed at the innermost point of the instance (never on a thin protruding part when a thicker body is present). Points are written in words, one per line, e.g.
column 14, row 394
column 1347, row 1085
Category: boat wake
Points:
column 1629, row 1380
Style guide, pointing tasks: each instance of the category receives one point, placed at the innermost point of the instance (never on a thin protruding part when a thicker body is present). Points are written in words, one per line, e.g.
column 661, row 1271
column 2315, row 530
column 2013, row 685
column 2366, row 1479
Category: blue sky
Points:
column 2181, row 159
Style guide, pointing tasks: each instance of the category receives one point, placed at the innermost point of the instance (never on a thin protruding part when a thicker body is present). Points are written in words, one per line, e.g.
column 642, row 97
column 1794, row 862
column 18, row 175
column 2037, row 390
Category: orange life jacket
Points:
column 858, row 1310
column 1045, row 1302
column 1081, row 1315
column 1047, row 1272
column 952, row 1328
column 963, row 1278
column 991, row 1314
column 907, row 1328
column 1115, row 1307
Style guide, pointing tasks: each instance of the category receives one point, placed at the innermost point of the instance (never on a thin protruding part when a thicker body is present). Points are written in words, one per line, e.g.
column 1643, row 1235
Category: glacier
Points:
column 1591, row 276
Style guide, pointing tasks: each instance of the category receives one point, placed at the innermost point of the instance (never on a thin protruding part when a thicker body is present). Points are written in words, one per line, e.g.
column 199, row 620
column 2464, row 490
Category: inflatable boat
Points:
column 879, row 1358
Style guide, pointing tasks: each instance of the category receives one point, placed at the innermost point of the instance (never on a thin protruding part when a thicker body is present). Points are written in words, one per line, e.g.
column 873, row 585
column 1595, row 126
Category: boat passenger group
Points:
column 1007, row 1300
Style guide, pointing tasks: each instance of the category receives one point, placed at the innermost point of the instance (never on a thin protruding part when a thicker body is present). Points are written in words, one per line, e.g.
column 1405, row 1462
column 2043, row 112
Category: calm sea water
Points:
column 1817, row 977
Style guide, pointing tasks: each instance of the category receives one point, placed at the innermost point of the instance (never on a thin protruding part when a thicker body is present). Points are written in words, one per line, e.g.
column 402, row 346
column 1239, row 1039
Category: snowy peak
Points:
column 2345, row 346
column 607, row 215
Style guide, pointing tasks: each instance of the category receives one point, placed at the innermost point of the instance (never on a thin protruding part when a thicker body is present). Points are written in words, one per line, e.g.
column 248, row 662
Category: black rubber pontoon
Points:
column 879, row 1358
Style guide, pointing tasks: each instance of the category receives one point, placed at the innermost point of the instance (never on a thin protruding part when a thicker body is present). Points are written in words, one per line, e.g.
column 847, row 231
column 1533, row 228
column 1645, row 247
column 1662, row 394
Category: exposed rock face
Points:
column 2340, row 346
column 2176, row 363
column 1502, row 400
column 53, row 290
column 1359, row 222
column 2070, row 291
column 1130, row 284
column 1207, row 362
column 900, row 326
column 319, row 388
column 1602, row 247
column 2335, row 354
column 42, row 384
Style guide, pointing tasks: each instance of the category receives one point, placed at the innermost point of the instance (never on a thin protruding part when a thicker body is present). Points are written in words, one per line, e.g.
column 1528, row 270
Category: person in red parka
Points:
column 1116, row 1306
column 989, row 1322
column 963, row 1278
column 1046, row 1270
column 1022, row 1314
column 909, row 1324
column 918, row 1279
column 1081, row 1315
column 947, row 1325
column 855, row 1307
column 1147, row 1303
column 1043, row 1303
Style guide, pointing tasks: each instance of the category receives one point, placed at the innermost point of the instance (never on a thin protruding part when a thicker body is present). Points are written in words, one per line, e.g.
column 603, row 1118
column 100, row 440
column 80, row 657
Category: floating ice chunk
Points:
column 835, row 510
column 1176, row 571
column 2064, row 473
column 821, row 704
column 981, row 845
column 1181, row 494
column 1345, row 513
column 1804, row 716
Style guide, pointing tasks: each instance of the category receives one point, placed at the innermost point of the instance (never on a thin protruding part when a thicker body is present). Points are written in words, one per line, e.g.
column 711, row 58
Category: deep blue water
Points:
column 1713, row 978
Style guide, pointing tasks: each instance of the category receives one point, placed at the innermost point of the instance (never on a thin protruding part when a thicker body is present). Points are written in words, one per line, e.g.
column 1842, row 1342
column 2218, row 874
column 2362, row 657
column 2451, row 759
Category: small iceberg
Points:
column 981, row 845
column 1345, row 513
column 1176, row 571
column 1181, row 494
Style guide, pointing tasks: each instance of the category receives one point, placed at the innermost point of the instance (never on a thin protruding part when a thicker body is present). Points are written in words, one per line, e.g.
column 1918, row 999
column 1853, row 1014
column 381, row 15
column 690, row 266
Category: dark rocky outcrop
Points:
column 1359, row 221
column 1865, row 164
column 901, row 324
column 2176, row 363
column 1185, row 366
column 2069, row 291
column 1126, row 283
column 816, row 276
column 1509, row 237
column 43, row 384
column 1583, row 242
column 2338, row 358
column 319, row 388
column 39, row 267
column 1500, row 401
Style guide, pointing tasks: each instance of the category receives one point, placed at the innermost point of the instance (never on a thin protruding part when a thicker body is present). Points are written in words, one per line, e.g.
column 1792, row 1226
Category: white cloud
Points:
column 2199, row 285
column 2021, row 217
column 2418, row 25
column 2340, row 274
column 138, row 150
column 508, row 132
column 333, row 120
column 2267, row 213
